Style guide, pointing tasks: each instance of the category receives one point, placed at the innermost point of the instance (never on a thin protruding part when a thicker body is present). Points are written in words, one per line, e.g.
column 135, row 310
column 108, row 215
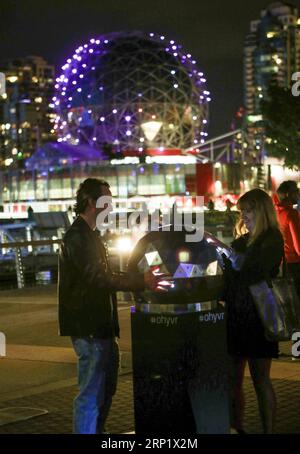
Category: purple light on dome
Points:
column 188, row 55
column 56, row 86
column 203, row 79
column 167, row 49
column 105, row 41
column 70, row 98
column 92, row 40
column 131, row 121
column 194, row 62
column 208, row 99
column 74, row 70
column 102, row 119
column 69, row 60
column 204, row 121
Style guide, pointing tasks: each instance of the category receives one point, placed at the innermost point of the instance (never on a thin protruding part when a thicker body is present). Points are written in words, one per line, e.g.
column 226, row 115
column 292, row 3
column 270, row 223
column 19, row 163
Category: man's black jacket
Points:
column 86, row 289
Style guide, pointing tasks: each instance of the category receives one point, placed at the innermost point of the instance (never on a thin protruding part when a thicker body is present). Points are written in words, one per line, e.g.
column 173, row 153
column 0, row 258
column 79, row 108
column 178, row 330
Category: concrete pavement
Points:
column 39, row 372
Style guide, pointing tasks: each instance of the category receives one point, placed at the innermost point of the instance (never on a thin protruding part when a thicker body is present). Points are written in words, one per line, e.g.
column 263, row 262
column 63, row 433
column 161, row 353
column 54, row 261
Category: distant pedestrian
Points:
column 289, row 220
column 229, row 205
column 30, row 213
column 211, row 205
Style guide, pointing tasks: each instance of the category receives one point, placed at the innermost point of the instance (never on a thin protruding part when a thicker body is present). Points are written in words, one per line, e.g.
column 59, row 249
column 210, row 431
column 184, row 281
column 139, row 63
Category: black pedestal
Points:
column 180, row 372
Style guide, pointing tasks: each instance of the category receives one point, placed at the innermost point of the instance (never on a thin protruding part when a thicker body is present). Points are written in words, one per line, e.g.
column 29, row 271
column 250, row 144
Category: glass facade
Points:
column 61, row 183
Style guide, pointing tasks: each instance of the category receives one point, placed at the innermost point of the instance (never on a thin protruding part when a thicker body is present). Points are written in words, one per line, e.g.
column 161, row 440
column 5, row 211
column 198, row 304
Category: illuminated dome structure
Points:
column 131, row 92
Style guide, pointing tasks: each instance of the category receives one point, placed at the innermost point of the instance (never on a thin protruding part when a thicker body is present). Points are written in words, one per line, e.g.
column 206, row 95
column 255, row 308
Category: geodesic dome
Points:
column 131, row 91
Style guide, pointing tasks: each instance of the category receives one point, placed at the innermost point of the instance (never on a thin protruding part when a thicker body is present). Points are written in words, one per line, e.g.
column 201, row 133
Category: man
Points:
column 88, row 309
column 289, row 220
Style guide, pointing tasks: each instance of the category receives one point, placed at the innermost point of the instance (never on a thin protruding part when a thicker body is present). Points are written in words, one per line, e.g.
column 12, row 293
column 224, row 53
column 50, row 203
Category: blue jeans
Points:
column 98, row 363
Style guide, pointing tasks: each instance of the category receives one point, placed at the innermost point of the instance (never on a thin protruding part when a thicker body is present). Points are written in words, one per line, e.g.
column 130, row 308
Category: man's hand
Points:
column 156, row 281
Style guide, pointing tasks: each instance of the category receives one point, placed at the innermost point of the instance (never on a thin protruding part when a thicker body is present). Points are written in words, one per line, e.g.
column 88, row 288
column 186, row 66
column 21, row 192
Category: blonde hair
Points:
column 265, row 215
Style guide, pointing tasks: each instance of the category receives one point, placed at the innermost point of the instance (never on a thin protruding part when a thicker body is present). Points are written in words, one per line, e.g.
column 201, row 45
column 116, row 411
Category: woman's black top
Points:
column 245, row 332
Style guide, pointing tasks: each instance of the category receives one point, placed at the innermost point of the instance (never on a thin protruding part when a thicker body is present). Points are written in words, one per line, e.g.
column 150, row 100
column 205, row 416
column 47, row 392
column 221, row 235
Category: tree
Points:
column 281, row 113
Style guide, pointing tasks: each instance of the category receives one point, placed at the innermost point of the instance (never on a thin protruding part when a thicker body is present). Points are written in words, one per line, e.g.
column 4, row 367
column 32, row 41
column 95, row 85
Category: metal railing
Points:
column 17, row 247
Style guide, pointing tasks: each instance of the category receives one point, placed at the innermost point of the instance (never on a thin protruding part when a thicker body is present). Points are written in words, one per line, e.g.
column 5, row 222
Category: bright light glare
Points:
column 124, row 244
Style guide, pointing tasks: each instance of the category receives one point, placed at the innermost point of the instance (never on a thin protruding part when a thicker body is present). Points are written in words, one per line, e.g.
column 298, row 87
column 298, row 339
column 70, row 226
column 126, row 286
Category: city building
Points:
column 26, row 120
column 271, row 53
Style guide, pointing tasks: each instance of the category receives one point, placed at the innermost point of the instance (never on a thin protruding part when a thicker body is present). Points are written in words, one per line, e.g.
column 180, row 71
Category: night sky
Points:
column 213, row 31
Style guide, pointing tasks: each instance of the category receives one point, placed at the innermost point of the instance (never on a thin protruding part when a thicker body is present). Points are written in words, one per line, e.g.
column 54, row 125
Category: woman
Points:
column 257, row 254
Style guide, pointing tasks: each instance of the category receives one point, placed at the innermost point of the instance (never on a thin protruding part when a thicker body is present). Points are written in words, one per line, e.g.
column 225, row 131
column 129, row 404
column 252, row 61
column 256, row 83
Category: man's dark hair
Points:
column 286, row 187
column 91, row 188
